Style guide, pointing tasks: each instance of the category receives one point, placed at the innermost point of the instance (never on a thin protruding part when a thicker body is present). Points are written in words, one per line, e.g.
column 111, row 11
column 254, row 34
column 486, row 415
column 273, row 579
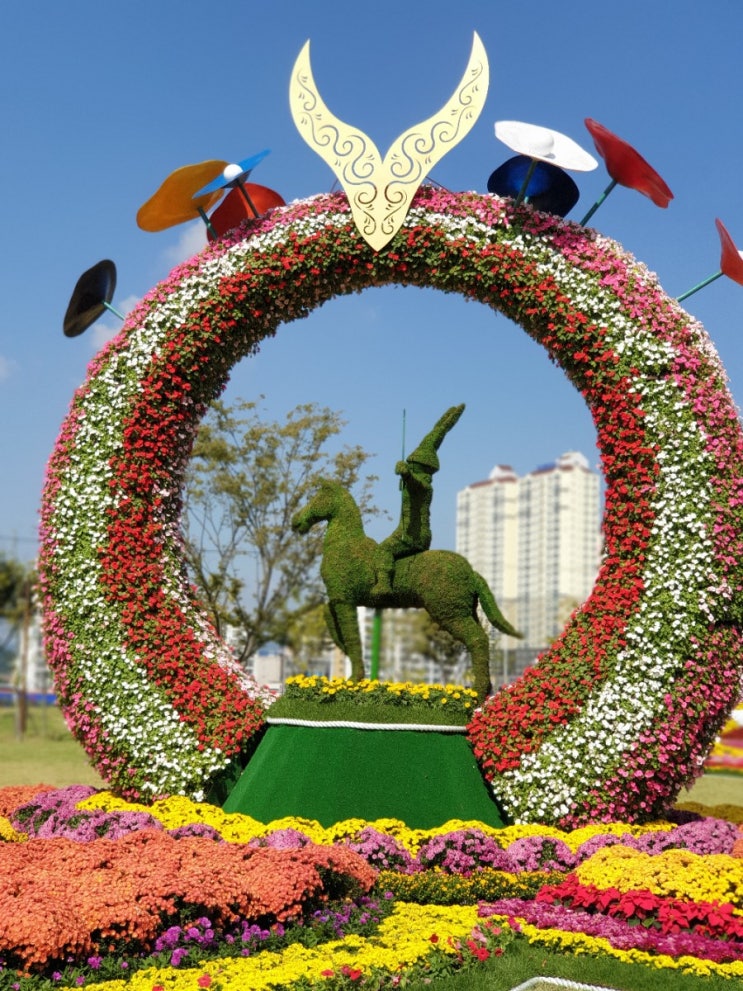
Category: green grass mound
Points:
column 350, row 712
column 323, row 700
column 331, row 773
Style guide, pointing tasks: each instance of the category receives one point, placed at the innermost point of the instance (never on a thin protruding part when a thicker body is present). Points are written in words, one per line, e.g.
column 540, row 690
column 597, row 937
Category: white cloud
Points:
column 7, row 367
column 192, row 239
column 127, row 305
column 102, row 333
column 108, row 326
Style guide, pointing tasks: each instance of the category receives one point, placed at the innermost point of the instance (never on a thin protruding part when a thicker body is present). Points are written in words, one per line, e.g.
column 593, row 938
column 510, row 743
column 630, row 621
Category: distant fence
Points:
column 8, row 697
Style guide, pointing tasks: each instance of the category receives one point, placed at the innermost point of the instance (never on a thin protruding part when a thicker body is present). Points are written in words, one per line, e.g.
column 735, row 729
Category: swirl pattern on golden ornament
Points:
column 380, row 190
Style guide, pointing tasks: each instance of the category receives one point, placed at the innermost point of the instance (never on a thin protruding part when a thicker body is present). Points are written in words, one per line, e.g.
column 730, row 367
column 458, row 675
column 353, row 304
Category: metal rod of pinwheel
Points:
column 234, row 175
column 626, row 167
column 378, row 619
column 731, row 263
column 90, row 298
column 540, row 146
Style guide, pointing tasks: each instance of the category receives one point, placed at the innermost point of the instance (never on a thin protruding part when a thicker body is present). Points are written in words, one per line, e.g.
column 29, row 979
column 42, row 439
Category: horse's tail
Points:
column 490, row 607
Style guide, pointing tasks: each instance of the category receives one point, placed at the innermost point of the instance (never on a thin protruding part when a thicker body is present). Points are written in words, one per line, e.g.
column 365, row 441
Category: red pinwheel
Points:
column 627, row 167
column 731, row 263
column 236, row 207
column 731, row 260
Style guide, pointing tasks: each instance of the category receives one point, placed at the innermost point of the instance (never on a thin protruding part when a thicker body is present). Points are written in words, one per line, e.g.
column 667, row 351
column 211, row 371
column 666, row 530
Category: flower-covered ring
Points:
column 620, row 711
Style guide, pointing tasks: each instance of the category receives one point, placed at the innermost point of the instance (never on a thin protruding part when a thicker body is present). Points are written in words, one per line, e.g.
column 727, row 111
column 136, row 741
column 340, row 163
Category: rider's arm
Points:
column 419, row 479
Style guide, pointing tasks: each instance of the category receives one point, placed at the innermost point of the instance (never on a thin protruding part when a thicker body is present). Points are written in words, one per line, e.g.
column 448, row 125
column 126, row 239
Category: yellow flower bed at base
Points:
column 672, row 874
column 402, row 939
column 237, row 828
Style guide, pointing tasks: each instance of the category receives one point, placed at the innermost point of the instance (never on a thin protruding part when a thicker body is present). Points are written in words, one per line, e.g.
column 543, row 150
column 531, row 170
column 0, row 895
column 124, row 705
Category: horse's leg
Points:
column 335, row 633
column 468, row 631
column 343, row 624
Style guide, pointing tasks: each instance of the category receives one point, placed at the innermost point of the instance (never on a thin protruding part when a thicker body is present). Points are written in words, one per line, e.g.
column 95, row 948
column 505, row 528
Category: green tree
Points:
column 410, row 640
column 12, row 579
column 308, row 639
column 246, row 479
column 435, row 644
column 16, row 589
column 17, row 583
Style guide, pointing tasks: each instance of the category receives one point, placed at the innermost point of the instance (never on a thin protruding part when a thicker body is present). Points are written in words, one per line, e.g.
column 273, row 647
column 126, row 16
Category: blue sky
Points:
column 99, row 102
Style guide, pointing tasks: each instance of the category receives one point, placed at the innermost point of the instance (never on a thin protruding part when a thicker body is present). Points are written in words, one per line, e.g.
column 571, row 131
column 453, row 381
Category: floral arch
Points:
column 619, row 713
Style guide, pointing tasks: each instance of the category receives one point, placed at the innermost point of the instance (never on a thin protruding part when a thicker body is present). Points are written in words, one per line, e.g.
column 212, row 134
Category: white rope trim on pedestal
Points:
column 343, row 724
column 547, row 983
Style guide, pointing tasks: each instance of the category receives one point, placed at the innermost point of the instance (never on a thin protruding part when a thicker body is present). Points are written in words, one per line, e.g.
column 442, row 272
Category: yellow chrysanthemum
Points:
column 672, row 873
column 401, row 940
column 8, row 834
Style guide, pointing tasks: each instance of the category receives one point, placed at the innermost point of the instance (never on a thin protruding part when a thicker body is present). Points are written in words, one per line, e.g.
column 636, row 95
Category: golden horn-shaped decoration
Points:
column 380, row 190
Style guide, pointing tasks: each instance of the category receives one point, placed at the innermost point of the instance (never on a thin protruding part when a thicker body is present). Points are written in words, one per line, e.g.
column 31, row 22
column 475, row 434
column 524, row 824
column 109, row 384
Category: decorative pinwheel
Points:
column 626, row 167
column 731, row 263
column 178, row 200
column 90, row 298
column 549, row 188
column 234, row 176
column 542, row 144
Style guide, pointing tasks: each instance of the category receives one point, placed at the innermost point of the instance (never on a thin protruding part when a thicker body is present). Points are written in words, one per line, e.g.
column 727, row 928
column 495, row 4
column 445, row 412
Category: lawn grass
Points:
column 522, row 962
column 48, row 754
column 715, row 788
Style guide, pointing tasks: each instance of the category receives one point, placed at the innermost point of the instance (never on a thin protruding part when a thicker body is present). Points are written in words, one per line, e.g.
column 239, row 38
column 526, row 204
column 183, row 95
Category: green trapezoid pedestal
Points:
column 331, row 773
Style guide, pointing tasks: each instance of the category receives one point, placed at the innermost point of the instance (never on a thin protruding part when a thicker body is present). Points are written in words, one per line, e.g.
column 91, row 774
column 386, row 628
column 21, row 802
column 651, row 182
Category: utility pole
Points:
column 21, row 712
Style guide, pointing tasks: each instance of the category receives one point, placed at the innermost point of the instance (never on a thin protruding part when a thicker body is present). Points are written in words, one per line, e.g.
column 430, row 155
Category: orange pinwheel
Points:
column 175, row 201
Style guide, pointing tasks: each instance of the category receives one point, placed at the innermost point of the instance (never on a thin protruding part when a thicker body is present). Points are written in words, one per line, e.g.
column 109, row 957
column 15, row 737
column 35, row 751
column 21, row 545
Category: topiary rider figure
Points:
column 413, row 532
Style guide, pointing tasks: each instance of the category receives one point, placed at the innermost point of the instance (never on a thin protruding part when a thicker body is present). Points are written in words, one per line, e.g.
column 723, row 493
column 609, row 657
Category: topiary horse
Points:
column 441, row 582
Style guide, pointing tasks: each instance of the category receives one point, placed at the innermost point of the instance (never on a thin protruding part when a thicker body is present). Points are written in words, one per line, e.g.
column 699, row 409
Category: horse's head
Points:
column 322, row 506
